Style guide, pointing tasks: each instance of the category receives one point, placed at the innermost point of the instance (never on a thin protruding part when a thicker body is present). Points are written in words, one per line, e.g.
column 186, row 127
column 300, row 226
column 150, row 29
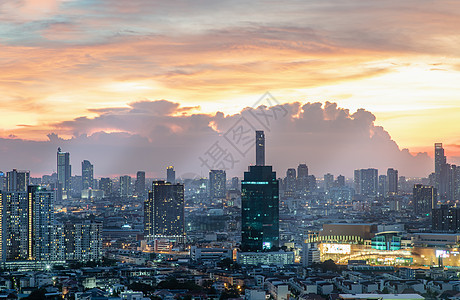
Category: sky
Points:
column 135, row 84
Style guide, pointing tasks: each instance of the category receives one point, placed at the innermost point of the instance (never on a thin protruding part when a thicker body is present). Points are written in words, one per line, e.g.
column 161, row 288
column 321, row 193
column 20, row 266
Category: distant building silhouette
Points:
column 140, row 183
column 366, row 182
column 105, row 184
column 290, row 183
column 87, row 175
column 125, row 186
column 392, row 177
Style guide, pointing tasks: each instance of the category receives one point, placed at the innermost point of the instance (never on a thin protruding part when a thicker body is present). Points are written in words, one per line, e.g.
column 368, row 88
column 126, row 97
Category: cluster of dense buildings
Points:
column 370, row 237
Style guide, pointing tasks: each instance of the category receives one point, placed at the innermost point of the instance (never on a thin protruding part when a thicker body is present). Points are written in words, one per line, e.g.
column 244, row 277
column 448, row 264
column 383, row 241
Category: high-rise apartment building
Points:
column 140, row 183
column 125, row 186
column 290, row 183
column 164, row 212
column 217, row 184
column 424, row 198
column 105, row 185
column 302, row 179
column 366, row 182
column 446, row 219
column 83, row 241
column 17, row 181
column 87, row 175
column 328, row 182
column 392, row 177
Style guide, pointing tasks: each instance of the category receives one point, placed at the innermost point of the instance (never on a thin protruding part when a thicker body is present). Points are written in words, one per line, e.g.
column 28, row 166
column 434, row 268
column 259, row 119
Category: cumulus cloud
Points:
column 150, row 135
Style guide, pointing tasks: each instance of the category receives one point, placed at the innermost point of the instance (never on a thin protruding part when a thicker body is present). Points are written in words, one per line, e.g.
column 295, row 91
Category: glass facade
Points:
column 260, row 209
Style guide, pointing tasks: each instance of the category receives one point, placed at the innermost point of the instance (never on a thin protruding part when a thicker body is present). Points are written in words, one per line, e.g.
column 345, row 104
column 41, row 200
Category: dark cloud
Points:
column 150, row 135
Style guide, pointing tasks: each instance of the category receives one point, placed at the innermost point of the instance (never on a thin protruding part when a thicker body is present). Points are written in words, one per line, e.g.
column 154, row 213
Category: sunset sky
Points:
column 67, row 62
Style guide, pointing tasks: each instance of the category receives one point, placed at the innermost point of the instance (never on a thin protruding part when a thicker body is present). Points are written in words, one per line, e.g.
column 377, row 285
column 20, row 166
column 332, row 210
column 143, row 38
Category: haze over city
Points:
column 83, row 70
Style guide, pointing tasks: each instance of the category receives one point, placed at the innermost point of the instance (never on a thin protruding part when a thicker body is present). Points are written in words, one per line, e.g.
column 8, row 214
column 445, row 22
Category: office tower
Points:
column 424, row 198
column 87, row 175
column 340, row 182
column 290, row 183
column 17, row 181
column 302, row 178
column 235, row 183
column 140, row 183
column 83, row 241
column 125, row 186
column 366, row 182
column 26, row 224
column 446, row 219
column 383, row 185
column 105, row 184
column 164, row 212
column 259, row 209
column 217, row 184
column 328, row 182
column 392, row 177
column 63, row 174
column 171, row 175
column 260, row 148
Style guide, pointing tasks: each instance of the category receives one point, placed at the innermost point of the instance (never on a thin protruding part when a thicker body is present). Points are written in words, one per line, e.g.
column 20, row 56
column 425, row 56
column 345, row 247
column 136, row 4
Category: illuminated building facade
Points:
column 446, row 219
column 125, row 186
column 83, row 241
column 17, row 181
column 164, row 212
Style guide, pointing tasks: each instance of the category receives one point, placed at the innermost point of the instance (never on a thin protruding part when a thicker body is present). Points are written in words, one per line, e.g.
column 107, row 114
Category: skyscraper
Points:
column 447, row 180
column 392, row 177
column 328, row 182
column 291, row 180
column 87, row 174
column 171, row 175
column 383, row 185
column 217, row 184
column 260, row 148
column 259, row 208
column 340, row 181
column 366, row 182
column 302, row 179
column 17, row 181
column 105, row 184
column 63, row 174
column 125, row 186
column 424, row 198
column 140, row 183
column 164, row 212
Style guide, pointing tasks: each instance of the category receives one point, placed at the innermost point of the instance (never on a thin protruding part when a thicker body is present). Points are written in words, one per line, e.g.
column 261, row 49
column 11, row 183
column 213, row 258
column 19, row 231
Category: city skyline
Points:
column 80, row 70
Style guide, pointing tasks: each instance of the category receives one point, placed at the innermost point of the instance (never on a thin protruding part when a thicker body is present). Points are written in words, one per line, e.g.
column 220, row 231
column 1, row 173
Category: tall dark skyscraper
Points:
column 164, row 212
column 217, row 184
column 17, row 181
column 259, row 208
column 171, row 175
column 260, row 148
column 87, row 174
column 424, row 198
column 140, row 183
column 392, row 177
column 63, row 173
